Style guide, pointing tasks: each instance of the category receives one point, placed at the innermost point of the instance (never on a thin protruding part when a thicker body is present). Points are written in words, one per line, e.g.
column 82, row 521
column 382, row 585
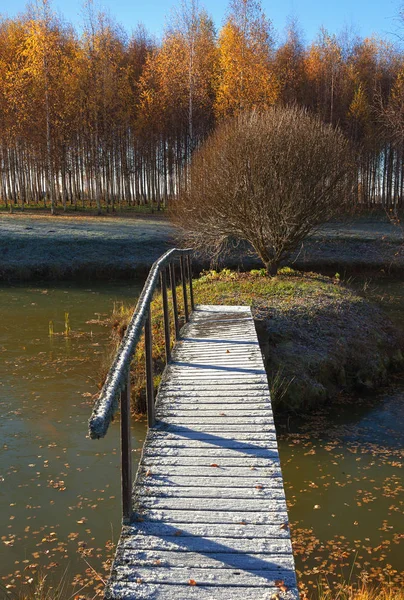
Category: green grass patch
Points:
column 317, row 335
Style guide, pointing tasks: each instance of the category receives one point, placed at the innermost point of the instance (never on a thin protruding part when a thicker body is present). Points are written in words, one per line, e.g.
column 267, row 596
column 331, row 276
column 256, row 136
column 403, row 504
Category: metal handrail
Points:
column 117, row 383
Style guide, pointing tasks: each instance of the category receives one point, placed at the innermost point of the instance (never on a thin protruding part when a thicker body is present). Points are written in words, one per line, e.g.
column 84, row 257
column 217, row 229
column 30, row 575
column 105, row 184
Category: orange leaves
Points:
column 281, row 585
column 192, row 582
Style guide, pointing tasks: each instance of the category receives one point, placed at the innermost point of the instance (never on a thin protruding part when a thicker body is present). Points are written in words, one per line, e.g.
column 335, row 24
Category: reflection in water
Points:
column 59, row 491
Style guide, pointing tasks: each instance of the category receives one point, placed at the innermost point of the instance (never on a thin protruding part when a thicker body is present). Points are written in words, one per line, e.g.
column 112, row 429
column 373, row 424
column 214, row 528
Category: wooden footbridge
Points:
column 206, row 517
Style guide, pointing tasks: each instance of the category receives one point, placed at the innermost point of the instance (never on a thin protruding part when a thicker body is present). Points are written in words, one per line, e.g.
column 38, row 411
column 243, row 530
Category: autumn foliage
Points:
column 108, row 120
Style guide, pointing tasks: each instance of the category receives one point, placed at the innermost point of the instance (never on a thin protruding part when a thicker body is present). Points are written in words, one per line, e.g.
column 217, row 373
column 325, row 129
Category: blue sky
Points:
column 360, row 16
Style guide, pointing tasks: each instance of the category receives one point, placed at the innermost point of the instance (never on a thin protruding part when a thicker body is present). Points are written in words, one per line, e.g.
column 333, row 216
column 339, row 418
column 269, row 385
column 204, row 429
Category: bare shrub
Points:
column 267, row 178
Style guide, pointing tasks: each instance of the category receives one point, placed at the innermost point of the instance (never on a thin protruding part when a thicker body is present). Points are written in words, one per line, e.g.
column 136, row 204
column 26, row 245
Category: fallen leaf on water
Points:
column 316, row 506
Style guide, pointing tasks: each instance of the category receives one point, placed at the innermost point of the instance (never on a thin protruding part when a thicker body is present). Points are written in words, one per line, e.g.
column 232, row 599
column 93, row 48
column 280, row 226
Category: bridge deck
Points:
column 210, row 517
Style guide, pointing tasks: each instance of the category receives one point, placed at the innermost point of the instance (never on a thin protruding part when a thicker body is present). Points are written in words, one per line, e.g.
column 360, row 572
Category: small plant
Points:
column 279, row 385
column 288, row 271
column 212, row 275
column 259, row 272
column 67, row 324
column 51, row 331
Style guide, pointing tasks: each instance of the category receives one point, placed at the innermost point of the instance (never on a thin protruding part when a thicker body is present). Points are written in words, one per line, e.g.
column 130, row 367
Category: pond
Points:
column 342, row 470
column 60, row 491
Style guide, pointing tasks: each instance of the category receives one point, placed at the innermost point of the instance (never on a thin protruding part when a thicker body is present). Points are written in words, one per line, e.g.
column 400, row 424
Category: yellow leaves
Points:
column 245, row 76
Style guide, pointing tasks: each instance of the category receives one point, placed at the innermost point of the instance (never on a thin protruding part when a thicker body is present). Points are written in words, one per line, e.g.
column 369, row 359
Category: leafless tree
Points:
column 268, row 179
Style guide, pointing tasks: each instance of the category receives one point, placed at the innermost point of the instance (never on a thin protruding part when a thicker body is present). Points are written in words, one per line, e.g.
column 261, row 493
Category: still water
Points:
column 343, row 477
column 59, row 490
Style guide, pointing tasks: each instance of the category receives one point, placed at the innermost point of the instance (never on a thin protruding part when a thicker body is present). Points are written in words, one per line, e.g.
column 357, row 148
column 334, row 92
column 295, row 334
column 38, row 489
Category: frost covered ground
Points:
column 60, row 247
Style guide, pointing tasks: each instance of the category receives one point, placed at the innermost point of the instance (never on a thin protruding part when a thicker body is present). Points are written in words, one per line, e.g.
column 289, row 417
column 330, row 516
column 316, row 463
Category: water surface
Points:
column 59, row 490
column 342, row 468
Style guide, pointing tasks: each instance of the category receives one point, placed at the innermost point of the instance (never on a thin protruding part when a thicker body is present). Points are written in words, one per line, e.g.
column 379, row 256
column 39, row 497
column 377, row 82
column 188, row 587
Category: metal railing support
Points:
column 148, row 340
column 174, row 295
column 116, row 389
column 163, row 279
column 126, row 454
column 191, row 289
column 184, row 288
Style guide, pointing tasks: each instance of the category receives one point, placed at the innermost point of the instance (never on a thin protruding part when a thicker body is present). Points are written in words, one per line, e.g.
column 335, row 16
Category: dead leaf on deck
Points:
column 192, row 582
column 281, row 585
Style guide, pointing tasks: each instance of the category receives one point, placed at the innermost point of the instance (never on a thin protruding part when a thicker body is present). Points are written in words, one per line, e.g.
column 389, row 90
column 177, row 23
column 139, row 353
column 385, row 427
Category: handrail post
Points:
column 149, row 369
column 191, row 290
column 184, row 287
column 174, row 295
column 126, row 454
column 163, row 279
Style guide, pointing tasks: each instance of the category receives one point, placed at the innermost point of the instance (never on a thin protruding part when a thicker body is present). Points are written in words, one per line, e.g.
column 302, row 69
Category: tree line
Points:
column 107, row 120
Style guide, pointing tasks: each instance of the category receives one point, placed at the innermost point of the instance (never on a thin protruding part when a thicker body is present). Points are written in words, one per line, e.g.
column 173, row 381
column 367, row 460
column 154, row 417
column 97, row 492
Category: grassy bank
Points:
column 35, row 246
column 317, row 335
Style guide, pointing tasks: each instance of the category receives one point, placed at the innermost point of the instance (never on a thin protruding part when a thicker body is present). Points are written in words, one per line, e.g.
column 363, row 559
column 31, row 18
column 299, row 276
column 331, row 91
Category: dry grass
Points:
column 363, row 591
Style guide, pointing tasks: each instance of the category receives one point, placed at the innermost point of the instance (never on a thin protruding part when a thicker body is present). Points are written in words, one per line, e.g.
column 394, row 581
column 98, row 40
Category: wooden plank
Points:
column 206, row 461
column 143, row 591
column 208, row 482
column 258, row 491
column 219, row 472
column 201, row 544
column 213, row 577
column 207, row 451
column 246, row 505
column 206, row 530
column 213, row 516
column 209, row 559
column 209, row 504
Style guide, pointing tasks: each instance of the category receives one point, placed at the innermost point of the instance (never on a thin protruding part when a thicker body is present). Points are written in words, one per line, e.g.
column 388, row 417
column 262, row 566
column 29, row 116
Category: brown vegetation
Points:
column 266, row 179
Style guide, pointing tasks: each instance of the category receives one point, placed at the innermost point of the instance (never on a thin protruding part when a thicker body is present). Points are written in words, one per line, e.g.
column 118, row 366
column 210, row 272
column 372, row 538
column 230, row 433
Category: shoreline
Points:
column 114, row 247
